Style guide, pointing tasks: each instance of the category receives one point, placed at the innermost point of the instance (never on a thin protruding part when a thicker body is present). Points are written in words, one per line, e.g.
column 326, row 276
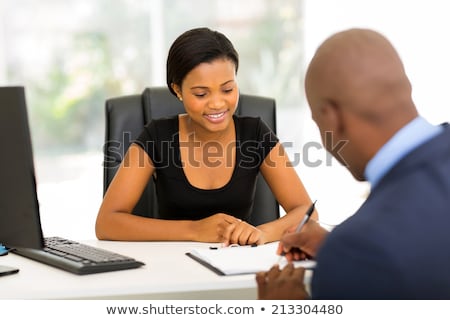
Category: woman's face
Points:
column 210, row 94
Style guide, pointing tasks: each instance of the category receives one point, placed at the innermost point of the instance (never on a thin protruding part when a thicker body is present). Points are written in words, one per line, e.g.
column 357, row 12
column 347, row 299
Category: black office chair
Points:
column 126, row 117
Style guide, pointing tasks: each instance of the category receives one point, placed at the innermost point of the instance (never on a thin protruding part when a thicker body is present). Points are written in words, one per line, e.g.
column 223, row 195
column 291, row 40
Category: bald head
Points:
column 357, row 88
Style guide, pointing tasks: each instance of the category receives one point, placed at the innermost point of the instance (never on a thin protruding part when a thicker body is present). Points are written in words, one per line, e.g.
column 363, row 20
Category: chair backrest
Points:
column 126, row 117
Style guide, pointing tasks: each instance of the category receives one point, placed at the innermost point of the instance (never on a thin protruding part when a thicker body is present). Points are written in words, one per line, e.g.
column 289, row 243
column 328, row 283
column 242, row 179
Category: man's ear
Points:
column 336, row 136
column 332, row 115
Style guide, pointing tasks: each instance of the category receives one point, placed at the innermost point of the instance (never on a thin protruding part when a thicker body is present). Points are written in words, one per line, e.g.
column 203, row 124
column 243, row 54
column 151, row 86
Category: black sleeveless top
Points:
column 177, row 198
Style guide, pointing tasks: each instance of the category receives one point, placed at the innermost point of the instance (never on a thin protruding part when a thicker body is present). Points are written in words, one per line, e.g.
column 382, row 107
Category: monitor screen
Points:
column 19, row 209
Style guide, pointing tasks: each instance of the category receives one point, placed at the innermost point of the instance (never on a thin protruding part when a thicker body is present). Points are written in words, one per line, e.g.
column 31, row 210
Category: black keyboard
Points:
column 78, row 258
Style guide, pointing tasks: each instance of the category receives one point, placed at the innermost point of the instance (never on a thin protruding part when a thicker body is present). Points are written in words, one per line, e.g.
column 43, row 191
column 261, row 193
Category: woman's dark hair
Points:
column 194, row 47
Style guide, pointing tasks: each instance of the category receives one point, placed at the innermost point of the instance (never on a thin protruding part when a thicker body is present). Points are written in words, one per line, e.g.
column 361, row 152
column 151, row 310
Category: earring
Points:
column 180, row 98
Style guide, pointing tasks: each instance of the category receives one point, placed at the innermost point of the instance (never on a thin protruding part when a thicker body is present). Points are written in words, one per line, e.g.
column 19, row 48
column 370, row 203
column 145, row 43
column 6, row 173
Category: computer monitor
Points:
column 19, row 208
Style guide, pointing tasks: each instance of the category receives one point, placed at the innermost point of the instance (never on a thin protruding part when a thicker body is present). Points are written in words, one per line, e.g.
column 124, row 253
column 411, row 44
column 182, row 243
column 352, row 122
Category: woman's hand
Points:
column 242, row 233
column 227, row 229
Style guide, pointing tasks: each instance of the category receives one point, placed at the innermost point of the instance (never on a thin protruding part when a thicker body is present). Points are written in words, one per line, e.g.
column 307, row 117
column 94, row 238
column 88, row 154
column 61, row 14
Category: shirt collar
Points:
column 405, row 140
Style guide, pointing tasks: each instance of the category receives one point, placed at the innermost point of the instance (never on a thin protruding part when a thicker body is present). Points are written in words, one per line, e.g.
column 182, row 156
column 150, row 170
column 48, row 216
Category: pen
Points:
column 306, row 217
column 301, row 224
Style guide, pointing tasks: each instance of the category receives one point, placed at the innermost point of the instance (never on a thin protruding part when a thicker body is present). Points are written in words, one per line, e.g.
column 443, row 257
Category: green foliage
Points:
column 68, row 105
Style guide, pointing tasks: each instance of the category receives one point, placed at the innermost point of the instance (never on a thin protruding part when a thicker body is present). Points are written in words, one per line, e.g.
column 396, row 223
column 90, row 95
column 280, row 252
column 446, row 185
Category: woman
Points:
column 205, row 161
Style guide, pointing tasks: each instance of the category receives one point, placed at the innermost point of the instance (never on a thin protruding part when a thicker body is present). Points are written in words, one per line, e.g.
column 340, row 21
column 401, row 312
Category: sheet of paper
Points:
column 243, row 259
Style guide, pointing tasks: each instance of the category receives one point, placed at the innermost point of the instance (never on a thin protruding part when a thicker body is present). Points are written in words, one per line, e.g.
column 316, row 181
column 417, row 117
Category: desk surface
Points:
column 168, row 274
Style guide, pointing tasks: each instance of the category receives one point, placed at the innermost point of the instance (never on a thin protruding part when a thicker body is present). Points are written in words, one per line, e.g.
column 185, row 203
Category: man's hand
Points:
column 304, row 244
column 285, row 284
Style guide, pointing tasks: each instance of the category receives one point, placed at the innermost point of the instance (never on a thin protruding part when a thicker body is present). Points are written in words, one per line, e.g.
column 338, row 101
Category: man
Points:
column 396, row 246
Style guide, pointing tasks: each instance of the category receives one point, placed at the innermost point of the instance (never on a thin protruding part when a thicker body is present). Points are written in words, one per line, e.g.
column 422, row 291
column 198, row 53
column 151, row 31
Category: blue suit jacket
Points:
column 397, row 245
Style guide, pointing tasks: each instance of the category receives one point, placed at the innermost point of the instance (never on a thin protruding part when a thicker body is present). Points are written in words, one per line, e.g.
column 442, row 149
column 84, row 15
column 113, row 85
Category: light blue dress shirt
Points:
column 405, row 140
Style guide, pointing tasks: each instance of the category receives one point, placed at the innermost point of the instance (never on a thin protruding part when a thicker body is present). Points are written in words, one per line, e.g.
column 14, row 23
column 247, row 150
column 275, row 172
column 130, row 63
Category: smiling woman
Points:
column 200, row 199
column 102, row 50
column 210, row 93
column 201, row 72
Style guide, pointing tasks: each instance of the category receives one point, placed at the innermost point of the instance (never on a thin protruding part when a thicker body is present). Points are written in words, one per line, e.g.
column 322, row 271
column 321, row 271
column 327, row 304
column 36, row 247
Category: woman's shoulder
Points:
column 247, row 123
column 253, row 125
column 246, row 119
column 161, row 128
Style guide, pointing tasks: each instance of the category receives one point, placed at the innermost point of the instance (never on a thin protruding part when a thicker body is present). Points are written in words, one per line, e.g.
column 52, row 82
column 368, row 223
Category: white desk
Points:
column 168, row 274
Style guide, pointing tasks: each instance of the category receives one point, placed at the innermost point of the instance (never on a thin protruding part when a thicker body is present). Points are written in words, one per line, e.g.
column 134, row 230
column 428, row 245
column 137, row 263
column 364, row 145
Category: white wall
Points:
column 420, row 30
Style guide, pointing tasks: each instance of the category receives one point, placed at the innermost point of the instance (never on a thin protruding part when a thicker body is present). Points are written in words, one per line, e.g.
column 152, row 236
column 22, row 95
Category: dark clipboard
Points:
column 207, row 265
column 7, row 270
column 247, row 263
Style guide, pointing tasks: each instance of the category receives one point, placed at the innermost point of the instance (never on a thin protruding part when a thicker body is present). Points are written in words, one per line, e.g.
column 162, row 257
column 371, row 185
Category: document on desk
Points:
column 242, row 259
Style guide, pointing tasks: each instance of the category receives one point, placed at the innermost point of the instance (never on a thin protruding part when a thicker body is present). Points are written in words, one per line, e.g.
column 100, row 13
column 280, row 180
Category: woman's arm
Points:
column 289, row 191
column 115, row 220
